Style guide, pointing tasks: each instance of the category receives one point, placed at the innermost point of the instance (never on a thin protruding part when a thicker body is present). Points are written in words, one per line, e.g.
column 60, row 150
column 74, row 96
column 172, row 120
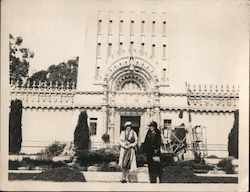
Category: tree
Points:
column 81, row 134
column 19, row 59
column 62, row 73
column 15, row 124
column 233, row 137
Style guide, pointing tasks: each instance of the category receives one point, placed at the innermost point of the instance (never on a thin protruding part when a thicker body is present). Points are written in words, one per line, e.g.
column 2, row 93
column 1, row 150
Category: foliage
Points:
column 106, row 138
column 108, row 167
column 86, row 158
column 32, row 163
column 61, row 174
column 167, row 159
column 233, row 136
column 15, row 126
column 63, row 73
column 81, row 134
column 19, row 58
column 51, row 151
column 226, row 165
column 179, row 174
column 212, row 157
column 141, row 159
column 196, row 167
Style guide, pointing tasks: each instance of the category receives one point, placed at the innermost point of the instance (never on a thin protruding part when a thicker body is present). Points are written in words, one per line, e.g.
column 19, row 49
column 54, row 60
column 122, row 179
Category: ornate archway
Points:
column 131, row 74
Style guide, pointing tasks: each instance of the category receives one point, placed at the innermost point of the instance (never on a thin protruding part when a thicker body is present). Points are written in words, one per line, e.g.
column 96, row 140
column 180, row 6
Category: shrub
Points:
column 81, row 134
column 233, row 136
column 167, row 159
column 107, row 167
column 196, row 167
column 226, row 165
column 32, row 163
column 86, row 158
column 178, row 174
column 106, row 138
column 60, row 174
column 51, row 151
column 212, row 157
column 141, row 159
column 15, row 126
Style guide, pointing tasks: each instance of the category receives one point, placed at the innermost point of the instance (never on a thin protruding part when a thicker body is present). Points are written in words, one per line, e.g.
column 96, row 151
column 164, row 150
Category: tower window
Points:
column 99, row 27
column 99, row 50
column 164, row 51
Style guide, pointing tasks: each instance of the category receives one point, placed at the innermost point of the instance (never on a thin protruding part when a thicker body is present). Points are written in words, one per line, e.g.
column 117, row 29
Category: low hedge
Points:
column 32, row 163
column 226, row 165
column 107, row 167
column 61, row 174
column 86, row 158
column 178, row 174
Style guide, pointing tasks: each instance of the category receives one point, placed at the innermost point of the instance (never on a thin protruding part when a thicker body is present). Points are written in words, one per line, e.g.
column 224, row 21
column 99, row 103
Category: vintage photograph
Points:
column 124, row 95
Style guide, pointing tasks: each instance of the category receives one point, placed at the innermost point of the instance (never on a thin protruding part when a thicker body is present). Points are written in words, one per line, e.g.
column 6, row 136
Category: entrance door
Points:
column 135, row 120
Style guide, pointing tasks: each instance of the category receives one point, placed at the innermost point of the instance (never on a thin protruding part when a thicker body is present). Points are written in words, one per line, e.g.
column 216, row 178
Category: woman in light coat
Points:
column 127, row 159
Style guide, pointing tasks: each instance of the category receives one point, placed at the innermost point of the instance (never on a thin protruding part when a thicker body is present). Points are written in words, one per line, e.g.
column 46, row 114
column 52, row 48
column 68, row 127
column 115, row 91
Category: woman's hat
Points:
column 128, row 123
column 153, row 124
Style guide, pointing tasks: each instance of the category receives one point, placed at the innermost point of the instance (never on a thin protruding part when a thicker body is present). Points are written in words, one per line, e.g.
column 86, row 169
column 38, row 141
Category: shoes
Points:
column 123, row 181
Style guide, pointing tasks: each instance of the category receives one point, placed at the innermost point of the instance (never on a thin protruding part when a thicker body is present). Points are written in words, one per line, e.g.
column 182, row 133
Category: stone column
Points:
column 105, row 119
column 112, row 125
column 157, row 115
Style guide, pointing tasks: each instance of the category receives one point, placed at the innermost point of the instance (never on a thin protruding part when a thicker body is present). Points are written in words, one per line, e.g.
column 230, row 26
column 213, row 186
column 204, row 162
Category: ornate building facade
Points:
column 124, row 75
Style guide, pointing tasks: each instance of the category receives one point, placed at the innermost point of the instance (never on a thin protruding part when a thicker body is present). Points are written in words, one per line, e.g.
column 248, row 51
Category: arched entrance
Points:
column 131, row 84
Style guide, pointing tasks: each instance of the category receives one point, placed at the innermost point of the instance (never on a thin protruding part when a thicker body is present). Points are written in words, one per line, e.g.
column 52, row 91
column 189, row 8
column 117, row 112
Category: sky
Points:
column 208, row 40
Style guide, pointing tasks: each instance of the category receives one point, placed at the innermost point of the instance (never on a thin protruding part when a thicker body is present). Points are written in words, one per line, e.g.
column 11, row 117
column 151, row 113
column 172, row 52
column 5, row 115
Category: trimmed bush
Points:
column 51, row 151
column 32, row 163
column 212, row 157
column 62, row 174
column 226, row 165
column 107, row 167
column 141, row 159
column 177, row 174
column 81, row 134
column 86, row 158
column 15, row 126
column 233, row 137
column 106, row 138
column 196, row 167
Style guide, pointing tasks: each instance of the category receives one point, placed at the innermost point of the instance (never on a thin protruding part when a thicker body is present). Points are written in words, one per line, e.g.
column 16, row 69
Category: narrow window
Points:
column 167, row 123
column 121, row 27
column 93, row 126
column 164, row 51
column 109, row 49
column 153, row 28
column 132, row 28
column 142, row 27
column 99, row 50
column 164, row 28
column 99, row 27
column 153, row 50
column 164, row 74
column 131, row 46
column 110, row 26
column 142, row 48
column 120, row 48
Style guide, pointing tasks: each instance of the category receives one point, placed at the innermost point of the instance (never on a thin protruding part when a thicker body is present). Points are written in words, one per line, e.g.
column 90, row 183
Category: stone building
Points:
column 124, row 75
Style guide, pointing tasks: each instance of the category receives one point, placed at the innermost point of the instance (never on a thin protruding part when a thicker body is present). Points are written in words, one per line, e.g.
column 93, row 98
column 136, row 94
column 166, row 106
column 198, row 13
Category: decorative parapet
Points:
column 43, row 94
column 212, row 96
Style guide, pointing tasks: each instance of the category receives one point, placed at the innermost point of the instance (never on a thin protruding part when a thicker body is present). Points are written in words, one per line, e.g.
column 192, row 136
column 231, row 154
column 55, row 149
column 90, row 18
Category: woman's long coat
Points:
column 122, row 143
